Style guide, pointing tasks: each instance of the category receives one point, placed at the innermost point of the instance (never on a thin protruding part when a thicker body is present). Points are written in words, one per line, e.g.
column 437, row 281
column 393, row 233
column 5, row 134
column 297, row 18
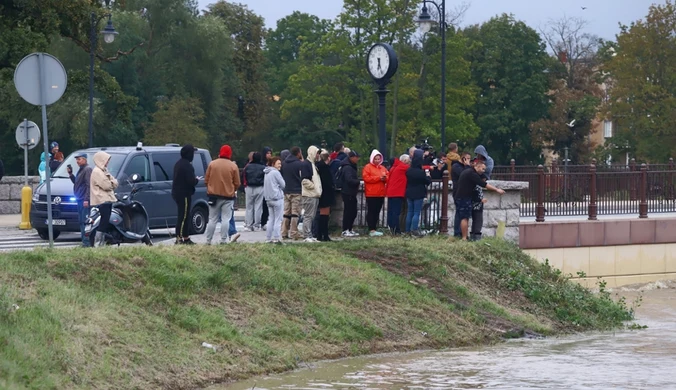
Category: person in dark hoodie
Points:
column 254, row 193
column 291, row 172
column 417, row 181
column 482, row 154
column 340, row 155
column 456, row 170
column 182, row 190
column 349, row 185
column 81, row 192
column 267, row 155
column 328, row 197
column 469, row 179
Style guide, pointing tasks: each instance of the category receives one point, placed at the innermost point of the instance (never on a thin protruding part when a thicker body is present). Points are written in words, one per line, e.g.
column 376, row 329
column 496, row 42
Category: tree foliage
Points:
column 178, row 120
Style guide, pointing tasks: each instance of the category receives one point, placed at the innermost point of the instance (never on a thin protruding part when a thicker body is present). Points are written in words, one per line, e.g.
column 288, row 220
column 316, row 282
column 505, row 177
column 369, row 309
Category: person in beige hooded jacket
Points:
column 311, row 191
column 102, row 193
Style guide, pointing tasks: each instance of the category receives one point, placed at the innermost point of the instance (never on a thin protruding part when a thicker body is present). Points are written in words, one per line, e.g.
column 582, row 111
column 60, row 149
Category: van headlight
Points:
column 36, row 197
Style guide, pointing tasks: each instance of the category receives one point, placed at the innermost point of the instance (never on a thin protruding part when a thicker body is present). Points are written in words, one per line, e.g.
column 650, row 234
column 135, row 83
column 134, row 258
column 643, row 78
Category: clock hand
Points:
column 378, row 62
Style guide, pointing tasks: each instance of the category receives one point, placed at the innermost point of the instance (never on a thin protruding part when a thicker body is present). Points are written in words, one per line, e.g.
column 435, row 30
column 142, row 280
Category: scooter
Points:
column 128, row 222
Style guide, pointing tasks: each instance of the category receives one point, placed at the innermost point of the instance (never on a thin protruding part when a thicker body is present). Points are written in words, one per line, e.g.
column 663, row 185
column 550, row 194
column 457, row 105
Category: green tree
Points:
column 642, row 76
column 178, row 120
column 509, row 61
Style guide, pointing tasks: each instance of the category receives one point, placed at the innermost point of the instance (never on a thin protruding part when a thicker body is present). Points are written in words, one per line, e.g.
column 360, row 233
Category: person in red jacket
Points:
column 396, row 192
column 375, row 177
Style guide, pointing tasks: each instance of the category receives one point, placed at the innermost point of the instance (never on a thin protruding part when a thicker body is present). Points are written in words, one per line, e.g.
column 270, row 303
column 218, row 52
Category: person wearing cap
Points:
column 222, row 181
column 349, row 184
column 57, row 156
column 81, row 184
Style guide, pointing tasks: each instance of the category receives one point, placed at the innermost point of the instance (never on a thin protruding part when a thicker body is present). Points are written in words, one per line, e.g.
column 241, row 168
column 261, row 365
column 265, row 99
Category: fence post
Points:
column 632, row 181
column 512, row 169
column 540, row 208
column 555, row 181
column 643, row 205
column 444, row 203
column 593, row 208
column 670, row 191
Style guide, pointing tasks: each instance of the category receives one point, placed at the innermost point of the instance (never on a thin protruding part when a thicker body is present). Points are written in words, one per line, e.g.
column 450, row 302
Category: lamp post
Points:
column 425, row 22
column 108, row 37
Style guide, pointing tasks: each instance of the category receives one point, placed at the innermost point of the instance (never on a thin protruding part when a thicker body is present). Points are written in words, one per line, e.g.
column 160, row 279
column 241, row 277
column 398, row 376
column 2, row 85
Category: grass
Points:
column 135, row 318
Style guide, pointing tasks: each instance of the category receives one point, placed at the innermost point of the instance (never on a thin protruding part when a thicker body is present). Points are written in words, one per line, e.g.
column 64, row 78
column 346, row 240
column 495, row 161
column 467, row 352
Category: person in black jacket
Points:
column 417, row 181
column 469, row 180
column 328, row 195
column 456, row 170
column 182, row 190
column 291, row 172
column 255, row 178
column 349, row 184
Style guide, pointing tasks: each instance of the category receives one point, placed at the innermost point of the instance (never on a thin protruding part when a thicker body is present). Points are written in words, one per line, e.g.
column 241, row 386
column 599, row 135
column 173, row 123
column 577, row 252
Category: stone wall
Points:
column 498, row 208
column 10, row 192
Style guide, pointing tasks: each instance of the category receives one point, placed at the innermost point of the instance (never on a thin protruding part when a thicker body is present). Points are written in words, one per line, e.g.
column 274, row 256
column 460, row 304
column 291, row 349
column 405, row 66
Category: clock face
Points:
column 379, row 62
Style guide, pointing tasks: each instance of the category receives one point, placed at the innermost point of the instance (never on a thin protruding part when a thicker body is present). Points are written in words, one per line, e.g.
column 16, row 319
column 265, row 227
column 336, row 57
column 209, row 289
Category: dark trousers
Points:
column 373, row 208
column 349, row 211
column 265, row 215
column 83, row 214
column 183, row 221
column 456, row 222
column 105, row 210
column 477, row 222
column 393, row 212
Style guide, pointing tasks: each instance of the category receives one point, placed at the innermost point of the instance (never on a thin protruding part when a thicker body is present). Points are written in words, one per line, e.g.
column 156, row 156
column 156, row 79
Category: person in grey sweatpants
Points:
column 311, row 191
column 273, row 192
column 254, row 193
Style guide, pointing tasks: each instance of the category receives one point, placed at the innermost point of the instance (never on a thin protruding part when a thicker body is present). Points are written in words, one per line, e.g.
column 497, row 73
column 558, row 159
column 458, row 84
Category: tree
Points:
column 642, row 75
column 509, row 62
column 178, row 121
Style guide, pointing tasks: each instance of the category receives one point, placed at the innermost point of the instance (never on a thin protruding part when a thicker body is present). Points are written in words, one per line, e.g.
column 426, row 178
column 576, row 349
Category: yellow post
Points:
column 26, row 197
column 501, row 230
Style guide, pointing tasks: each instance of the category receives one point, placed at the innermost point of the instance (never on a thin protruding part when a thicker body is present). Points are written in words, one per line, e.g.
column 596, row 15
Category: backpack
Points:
column 338, row 179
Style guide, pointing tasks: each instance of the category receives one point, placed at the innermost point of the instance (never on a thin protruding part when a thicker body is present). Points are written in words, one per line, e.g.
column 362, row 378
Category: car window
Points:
column 163, row 164
column 198, row 163
column 138, row 164
column 114, row 164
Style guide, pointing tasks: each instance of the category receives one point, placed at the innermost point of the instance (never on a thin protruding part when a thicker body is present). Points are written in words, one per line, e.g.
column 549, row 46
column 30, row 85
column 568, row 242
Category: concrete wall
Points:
column 623, row 251
column 10, row 192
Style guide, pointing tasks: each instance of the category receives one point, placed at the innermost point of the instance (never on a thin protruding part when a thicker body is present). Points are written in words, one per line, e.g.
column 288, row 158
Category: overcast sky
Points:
column 603, row 15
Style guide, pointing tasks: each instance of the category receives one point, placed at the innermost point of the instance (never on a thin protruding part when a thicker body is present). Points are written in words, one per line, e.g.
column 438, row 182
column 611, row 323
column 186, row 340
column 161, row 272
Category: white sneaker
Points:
column 354, row 234
column 310, row 239
column 265, row 228
column 248, row 229
column 234, row 237
column 346, row 234
column 256, row 229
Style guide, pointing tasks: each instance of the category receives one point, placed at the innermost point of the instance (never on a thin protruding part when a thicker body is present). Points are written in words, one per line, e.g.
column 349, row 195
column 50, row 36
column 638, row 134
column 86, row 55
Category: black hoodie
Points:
column 291, row 168
column 255, row 177
column 184, row 174
column 416, row 179
column 349, row 177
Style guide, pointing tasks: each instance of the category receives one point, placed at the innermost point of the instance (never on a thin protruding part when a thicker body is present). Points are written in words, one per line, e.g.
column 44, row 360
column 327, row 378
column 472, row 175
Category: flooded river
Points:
column 628, row 359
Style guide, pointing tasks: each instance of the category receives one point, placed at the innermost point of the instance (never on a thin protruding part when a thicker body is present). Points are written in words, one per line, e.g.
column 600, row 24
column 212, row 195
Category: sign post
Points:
column 41, row 80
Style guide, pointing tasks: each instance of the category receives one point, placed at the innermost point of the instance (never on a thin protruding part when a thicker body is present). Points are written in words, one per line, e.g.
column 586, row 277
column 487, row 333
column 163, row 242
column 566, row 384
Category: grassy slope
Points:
column 136, row 317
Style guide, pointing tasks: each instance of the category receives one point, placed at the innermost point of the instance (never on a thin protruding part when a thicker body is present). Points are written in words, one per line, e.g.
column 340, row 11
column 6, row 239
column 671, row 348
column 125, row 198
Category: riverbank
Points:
column 137, row 317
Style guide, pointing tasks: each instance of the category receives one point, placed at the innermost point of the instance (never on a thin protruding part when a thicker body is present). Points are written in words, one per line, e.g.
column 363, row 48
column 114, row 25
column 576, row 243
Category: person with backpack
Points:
column 348, row 181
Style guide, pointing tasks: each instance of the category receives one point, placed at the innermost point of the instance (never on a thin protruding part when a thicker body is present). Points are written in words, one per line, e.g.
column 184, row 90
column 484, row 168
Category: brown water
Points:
column 638, row 359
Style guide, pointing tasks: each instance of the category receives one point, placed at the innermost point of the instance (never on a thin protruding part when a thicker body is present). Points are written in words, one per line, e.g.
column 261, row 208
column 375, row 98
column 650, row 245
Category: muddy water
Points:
column 638, row 359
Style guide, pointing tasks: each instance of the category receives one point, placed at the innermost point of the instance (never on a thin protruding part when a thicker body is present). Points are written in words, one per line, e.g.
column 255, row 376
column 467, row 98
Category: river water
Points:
column 628, row 359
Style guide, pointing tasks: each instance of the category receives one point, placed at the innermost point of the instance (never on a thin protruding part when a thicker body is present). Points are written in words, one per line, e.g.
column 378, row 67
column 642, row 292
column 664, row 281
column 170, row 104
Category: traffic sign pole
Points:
column 43, row 101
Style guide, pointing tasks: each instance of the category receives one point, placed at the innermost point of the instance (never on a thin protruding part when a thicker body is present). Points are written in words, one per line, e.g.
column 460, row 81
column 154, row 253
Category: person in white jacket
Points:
column 311, row 191
column 273, row 192
column 102, row 193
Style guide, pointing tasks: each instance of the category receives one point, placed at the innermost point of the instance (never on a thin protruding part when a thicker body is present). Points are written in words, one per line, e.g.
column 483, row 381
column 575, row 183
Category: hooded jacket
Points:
column 284, row 154
column 42, row 168
column 417, row 180
column 222, row 176
column 374, row 187
column 82, row 182
column 103, row 184
column 273, row 187
column 254, row 172
column 335, row 162
column 481, row 151
column 396, row 182
column 350, row 178
column 291, row 172
column 184, row 181
column 311, row 182
column 456, row 170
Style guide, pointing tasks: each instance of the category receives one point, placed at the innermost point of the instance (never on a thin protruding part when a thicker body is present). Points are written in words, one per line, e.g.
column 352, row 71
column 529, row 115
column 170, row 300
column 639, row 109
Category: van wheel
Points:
column 44, row 233
column 198, row 222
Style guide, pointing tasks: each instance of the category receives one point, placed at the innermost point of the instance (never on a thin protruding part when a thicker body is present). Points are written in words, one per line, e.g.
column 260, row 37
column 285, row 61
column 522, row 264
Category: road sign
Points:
column 28, row 137
column 27, row 80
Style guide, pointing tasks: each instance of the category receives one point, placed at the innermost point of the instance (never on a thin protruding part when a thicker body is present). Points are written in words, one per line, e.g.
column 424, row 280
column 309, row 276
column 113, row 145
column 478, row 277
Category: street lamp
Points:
column 109, row 34
column 425, row 22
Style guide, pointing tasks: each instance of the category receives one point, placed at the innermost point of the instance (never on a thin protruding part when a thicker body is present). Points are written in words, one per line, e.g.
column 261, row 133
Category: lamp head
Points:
column 109, row 32
column 425, row 20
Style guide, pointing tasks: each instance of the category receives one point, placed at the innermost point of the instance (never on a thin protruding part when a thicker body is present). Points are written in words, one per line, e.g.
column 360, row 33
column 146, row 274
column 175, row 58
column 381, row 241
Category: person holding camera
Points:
column 81, row 190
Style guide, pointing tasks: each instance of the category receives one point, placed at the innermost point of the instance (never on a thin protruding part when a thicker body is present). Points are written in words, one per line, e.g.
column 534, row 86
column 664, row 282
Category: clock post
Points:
column 382, row 64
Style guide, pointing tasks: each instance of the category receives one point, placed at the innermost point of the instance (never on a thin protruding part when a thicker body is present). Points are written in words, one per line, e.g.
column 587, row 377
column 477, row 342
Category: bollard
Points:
column 26, row 198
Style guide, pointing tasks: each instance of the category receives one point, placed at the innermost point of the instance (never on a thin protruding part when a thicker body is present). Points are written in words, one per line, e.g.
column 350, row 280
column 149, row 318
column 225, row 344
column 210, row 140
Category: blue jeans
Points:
column 413, row 216
column 83, row 214
column 393, row 211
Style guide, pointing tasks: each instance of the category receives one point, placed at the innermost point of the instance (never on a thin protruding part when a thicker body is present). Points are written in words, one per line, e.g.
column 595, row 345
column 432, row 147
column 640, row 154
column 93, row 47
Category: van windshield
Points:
column 114, row 165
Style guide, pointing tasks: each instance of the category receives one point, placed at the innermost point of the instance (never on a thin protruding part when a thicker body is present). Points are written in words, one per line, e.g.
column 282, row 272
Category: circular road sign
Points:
column 28, row 137
column 27, row 79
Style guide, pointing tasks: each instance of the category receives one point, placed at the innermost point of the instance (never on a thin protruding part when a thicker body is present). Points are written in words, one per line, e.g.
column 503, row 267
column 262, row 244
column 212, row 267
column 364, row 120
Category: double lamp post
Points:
column 426, row 23
column 109, row 34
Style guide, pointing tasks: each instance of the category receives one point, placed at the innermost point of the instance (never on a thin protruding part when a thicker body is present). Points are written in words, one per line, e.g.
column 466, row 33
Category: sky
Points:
column 603, row 15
